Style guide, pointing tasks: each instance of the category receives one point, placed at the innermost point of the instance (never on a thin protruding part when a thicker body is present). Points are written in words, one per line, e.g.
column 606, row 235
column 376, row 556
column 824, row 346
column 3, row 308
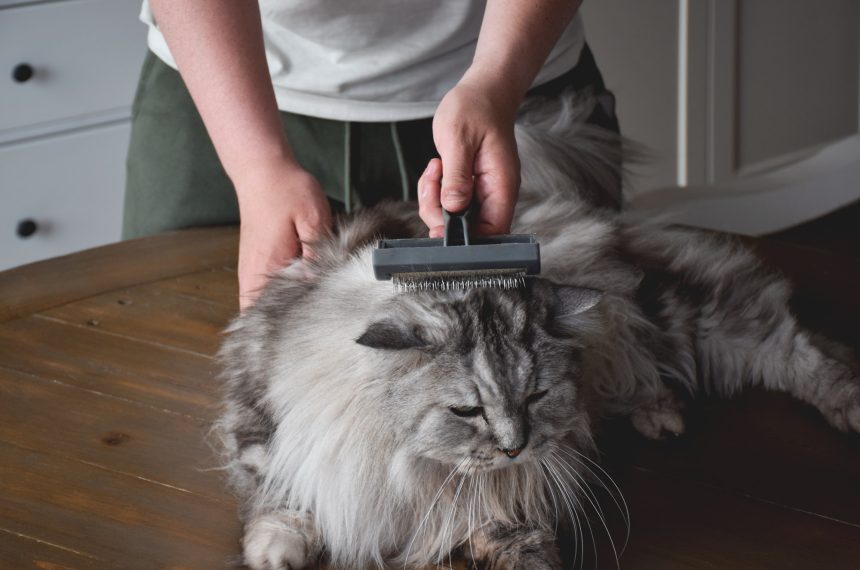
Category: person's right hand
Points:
column 282, row 210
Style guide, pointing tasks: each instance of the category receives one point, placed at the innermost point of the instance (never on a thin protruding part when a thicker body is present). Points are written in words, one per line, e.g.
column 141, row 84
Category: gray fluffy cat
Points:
column 369, row 427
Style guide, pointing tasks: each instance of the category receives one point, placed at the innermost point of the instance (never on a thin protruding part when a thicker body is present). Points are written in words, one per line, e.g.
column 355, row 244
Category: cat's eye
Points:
column 536, row 396
column 467, row 411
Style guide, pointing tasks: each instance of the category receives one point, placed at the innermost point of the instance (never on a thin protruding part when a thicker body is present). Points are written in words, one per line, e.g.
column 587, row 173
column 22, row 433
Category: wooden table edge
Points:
column 45, row 284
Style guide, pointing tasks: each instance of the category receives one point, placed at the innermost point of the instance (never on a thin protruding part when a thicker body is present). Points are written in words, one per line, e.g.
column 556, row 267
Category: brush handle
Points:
column 457, row 224
column 456, row 228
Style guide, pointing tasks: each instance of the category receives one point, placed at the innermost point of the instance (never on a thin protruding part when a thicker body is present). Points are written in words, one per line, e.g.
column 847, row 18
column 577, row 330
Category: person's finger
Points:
column 249, row 290
column 313, row 227
column 285, row 251
column 457, row 177
column 429, row 204
column 497, row 195
column 259, row 258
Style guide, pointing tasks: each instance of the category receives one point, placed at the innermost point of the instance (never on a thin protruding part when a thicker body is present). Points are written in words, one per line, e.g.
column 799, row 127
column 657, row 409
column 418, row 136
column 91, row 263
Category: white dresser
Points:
column 68, row 71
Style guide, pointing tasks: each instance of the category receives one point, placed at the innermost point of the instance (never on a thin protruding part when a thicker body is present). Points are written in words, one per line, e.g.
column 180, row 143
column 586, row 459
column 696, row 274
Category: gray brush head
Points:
column 430, row 265
column 456, row 261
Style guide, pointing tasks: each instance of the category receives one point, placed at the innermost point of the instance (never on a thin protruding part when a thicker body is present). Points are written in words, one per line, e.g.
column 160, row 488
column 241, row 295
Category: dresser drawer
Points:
column 70, row 187
column 68, row 60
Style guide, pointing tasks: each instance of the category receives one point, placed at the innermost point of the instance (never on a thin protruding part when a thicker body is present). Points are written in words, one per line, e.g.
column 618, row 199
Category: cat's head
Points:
column 486, row 378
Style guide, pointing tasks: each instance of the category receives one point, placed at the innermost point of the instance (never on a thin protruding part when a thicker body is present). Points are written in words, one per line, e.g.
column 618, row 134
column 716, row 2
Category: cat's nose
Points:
column 511, row 433
column 513, row 452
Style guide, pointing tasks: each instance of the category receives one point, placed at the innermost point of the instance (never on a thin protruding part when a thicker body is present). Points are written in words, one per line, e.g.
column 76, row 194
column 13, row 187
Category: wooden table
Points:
column 107, row 389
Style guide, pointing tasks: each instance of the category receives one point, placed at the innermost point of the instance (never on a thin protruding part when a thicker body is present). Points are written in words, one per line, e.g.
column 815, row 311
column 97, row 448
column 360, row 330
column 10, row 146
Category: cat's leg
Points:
column 273, row 539
column 820, row 372
column 281, row 540
column 659, row 415
column 724, row 324
column 792, row 359
column 633, row 379
column 516, row 548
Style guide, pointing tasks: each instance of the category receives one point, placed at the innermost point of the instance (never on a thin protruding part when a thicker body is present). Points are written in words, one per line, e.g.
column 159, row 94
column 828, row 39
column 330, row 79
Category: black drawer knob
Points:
column 26, row 228
column 22, row 72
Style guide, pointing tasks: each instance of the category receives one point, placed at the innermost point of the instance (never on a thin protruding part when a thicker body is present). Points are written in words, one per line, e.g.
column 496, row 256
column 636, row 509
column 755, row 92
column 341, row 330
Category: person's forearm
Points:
column 218, row 47
column 516, row 38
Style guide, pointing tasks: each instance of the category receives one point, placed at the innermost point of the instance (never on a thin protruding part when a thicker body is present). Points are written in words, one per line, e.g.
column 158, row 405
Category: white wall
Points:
column 751, row 107
column 640, row 65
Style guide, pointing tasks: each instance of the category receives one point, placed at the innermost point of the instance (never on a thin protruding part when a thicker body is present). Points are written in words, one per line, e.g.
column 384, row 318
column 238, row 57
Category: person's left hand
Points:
column 474, row 133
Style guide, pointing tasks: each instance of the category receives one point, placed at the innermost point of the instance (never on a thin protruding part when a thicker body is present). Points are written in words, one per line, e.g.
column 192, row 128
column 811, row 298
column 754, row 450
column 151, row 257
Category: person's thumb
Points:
column 457, row 179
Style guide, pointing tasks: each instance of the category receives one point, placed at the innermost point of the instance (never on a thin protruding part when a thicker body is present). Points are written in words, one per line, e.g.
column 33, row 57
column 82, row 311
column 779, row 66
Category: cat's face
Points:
column 485, row 378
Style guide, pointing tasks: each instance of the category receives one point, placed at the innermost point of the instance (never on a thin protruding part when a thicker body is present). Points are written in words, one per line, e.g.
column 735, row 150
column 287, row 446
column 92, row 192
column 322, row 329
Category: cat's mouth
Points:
column 501, row 460
column 486, row 465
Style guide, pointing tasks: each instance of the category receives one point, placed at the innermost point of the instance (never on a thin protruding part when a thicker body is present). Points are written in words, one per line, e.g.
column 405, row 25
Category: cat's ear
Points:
column 573, row 301
column 392, row 335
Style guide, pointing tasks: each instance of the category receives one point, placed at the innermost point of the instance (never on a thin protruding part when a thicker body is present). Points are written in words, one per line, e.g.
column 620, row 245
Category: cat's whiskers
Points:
column 569, row 505
column 622, row 506
column 435, row 500
column 592, row 501
column 471, row 494
column 551, row 492
column 481, row 502
column 450, row 520
column 578, row 516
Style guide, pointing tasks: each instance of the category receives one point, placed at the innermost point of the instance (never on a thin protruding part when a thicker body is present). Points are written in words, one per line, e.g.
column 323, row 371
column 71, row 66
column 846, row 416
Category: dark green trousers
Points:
column 175, row 180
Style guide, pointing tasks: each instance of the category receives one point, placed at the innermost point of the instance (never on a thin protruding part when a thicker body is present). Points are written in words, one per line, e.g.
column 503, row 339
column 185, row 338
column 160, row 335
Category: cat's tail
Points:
column 564, row 156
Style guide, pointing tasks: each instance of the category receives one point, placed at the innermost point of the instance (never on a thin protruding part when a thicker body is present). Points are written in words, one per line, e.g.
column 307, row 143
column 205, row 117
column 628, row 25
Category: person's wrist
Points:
column 260, row 181
column 504, row 91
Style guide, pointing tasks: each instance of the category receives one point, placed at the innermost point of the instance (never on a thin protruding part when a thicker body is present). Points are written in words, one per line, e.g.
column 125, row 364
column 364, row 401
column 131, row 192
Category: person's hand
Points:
column 474, row 133
column 282, row 210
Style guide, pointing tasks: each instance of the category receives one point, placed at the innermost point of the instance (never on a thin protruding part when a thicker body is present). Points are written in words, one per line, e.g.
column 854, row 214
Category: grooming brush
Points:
column 457, row 261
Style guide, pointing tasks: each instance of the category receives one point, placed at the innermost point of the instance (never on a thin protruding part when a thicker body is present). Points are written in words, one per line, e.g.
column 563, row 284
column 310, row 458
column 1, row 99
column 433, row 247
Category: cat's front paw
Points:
column 517, row 548
column 547, row 559
column 278, row 541
column 660, row 419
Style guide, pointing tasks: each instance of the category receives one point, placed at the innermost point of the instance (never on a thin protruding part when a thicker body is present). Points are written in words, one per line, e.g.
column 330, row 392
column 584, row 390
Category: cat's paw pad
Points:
column 275, row 542
column 658, row 422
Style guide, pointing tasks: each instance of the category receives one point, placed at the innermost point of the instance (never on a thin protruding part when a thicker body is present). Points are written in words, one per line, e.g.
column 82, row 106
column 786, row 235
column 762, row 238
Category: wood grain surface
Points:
column 108, row 388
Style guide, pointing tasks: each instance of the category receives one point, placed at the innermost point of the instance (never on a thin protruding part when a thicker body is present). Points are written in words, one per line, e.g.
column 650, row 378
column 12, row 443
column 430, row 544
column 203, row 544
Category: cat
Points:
column 367, row 427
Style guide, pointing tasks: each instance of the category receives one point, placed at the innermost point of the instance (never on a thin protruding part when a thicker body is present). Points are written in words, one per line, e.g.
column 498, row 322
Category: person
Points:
column 283, row 110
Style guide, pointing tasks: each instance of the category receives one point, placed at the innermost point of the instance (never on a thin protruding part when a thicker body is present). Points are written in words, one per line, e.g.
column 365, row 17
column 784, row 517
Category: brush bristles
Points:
column 414, row 282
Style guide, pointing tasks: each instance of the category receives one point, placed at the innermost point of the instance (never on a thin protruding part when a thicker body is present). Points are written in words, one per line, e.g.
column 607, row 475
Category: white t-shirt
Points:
column 373, row 60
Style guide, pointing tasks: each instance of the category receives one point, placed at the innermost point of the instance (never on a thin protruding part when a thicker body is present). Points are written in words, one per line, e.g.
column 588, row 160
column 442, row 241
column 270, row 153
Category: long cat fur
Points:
column 627, row 316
